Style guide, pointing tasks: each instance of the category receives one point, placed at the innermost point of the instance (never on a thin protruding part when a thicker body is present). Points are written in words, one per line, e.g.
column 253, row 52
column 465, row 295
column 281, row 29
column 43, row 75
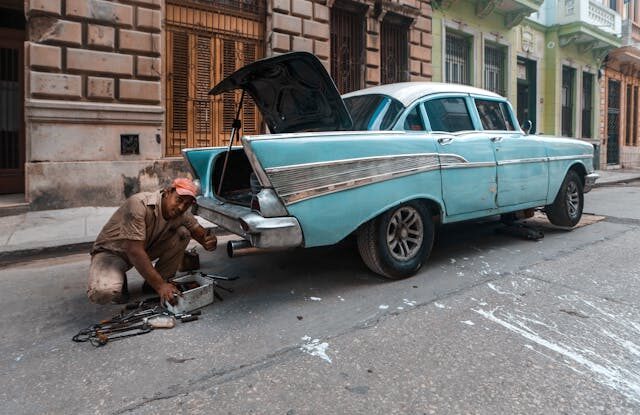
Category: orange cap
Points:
column 185, row 187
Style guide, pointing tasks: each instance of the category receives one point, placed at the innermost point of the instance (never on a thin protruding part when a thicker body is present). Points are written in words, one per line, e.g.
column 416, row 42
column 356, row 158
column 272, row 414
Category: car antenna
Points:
column 235, row 126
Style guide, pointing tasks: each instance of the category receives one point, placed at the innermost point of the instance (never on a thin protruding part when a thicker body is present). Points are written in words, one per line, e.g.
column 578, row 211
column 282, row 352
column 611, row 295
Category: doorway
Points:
column 527, row 92
column 613, row 122
column 12, row 141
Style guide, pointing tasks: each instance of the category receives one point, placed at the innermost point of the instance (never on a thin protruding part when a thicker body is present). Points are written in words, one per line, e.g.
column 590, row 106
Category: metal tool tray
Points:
column 195, row 298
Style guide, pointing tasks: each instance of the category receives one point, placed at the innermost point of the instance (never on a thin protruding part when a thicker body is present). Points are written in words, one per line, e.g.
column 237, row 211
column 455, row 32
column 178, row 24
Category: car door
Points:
column 466, row 156
column 522, row 166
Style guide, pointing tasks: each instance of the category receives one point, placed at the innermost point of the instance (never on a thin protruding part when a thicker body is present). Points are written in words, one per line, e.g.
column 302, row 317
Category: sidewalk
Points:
column 75, row 229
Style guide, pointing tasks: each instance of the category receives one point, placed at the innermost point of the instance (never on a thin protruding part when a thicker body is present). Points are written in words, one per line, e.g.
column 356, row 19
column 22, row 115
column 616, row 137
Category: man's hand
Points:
column 205, row 237
column 210, row 241
column 168, row 293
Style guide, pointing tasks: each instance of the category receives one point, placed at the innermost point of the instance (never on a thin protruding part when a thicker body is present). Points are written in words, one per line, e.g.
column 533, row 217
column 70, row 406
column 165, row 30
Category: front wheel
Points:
column 566, row 209
column 397, row 243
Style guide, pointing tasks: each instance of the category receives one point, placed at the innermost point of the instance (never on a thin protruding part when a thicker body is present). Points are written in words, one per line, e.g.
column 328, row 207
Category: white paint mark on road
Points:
column 19, row 358
column 383, row 306
column 438, row 305
column 314, row 347
column 452, row 260
column 400, row 308
column 460, row 274
column 616, row 375
column 410, row 303
column 315, row 298
column 340, row 298
column 468, row 323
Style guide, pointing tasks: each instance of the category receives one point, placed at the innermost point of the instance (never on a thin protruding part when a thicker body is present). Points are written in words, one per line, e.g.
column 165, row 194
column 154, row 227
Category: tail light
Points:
column 255, row 186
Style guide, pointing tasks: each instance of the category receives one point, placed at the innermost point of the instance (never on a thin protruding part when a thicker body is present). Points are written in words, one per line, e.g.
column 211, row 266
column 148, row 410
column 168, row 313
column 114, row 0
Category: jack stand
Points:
column 521, row 231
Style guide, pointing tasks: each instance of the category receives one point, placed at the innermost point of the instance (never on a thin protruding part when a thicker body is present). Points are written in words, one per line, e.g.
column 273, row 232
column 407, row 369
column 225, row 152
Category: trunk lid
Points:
column 293, row 92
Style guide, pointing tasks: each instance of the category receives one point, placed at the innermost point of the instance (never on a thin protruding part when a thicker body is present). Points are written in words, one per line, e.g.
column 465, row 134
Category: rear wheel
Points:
column 397, row 243
column 566, row 209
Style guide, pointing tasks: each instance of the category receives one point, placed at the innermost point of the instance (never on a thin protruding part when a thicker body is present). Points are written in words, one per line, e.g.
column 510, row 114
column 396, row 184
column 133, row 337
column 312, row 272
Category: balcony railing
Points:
column 630, row 33
column 590, row 12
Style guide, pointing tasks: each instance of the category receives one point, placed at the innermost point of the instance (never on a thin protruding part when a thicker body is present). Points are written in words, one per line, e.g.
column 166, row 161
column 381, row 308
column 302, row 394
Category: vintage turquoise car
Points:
column 383, row 164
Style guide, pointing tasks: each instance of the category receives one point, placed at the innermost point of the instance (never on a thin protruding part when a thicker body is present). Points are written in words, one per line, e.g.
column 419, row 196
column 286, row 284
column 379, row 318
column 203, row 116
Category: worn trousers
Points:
column 107, row 273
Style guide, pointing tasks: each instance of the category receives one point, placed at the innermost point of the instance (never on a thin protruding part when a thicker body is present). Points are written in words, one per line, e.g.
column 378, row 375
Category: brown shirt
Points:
column 139, row 219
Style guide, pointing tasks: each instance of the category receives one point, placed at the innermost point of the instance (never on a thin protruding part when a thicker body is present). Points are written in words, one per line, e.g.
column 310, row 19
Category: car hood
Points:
column 293, row 92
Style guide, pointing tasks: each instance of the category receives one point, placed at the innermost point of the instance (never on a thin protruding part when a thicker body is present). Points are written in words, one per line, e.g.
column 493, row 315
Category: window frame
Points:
column 465, row 98
column 508, row 116
column 469, row 40
column 502, row 77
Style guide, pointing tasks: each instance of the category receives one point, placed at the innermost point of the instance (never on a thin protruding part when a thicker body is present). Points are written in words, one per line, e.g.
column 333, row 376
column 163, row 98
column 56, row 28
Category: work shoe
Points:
column 147, row 289
column 123, row 297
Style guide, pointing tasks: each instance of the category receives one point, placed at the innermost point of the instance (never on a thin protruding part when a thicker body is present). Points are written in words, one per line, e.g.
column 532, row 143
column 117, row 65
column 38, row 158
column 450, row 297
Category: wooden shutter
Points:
column 204, row 45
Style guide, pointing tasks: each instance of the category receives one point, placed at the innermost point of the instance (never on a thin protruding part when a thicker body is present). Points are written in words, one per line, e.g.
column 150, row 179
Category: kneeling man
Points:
column 150, row 225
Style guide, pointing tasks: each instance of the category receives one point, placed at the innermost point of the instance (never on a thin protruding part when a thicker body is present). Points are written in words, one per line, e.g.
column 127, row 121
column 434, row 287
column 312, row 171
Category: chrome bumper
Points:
column 267, row 233
column 589, row 181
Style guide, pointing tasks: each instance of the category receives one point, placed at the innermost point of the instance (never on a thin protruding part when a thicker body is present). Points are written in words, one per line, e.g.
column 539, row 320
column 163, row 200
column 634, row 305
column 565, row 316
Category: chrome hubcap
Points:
column 404, row 233
column 573, row 199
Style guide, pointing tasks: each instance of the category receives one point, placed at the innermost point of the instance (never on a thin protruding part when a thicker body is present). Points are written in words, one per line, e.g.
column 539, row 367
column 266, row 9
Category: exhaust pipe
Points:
column 242, row 248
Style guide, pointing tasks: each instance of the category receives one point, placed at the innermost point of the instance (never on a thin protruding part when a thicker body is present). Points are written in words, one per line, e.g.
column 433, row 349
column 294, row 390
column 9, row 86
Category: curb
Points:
column 612, row 182
column 8, row 258
column 12, row 257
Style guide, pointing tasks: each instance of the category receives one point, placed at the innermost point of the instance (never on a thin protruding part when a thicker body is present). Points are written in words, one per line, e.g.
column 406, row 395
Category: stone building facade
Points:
column 619, row 105
column 112, row 90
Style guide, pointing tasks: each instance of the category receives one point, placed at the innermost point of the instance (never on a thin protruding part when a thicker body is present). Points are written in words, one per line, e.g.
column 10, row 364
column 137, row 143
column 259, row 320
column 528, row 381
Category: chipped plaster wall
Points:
column 93, row 73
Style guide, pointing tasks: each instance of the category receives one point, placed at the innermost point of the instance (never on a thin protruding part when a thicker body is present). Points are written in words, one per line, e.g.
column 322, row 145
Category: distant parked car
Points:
column 379, row 163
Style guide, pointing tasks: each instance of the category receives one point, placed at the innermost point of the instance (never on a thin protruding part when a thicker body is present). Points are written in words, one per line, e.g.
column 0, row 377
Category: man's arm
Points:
column 140, row 260
column 205, row 237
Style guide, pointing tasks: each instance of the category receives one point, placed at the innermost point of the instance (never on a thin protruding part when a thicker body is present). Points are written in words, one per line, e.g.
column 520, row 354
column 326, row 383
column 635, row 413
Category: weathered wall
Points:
column 93, row 71
column 303, row 25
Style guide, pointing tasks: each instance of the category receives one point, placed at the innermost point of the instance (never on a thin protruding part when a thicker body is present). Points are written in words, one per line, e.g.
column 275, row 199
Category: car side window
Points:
column 494, row 115
column 414, row 122
column 448, row 114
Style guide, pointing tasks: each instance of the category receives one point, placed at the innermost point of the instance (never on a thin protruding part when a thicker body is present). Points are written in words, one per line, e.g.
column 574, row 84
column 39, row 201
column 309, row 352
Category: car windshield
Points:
column 373, row 111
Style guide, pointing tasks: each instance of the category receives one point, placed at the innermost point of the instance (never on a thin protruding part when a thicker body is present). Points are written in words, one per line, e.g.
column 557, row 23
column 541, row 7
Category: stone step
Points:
column 13, row 204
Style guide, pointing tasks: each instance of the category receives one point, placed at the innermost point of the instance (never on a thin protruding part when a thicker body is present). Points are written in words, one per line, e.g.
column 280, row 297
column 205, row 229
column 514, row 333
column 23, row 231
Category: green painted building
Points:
column 544, row 56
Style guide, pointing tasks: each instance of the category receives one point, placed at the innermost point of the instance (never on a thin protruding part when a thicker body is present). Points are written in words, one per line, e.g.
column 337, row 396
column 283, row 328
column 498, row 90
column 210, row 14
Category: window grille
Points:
column 394, row 55
column 613, row 121
column 347, row 49
column 568, row 76
column 587, row 104
column 635, row 116
column 494, row 69
column 627, row 139
column 457, row 59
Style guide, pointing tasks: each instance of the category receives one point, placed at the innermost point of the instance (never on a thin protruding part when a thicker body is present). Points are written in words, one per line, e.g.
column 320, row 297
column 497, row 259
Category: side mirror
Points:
column 528, row 125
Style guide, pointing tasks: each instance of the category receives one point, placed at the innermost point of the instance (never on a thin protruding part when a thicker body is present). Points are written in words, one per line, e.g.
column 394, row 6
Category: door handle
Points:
column 496, row 139
column 445, row 140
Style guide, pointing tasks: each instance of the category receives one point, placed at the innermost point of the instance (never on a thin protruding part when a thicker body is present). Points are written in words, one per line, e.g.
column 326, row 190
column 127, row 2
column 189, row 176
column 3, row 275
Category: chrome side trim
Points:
column 523, row 161
column 578, row 156
column 468, row 165
column 590, row 181
column 304, row 181
column 452, row 158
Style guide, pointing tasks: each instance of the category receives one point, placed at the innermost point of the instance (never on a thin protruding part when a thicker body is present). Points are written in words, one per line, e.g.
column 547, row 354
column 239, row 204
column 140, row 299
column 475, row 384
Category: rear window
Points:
column 448, row 114
column 373, row 112
column 494, row 115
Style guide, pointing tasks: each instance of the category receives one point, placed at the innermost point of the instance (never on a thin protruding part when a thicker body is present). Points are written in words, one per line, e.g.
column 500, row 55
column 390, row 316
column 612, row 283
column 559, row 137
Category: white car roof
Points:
column 408, row 92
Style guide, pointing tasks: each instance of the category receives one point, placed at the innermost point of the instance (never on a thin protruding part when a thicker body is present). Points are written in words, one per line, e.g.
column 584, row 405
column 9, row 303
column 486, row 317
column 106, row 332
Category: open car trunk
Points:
column 240, row 182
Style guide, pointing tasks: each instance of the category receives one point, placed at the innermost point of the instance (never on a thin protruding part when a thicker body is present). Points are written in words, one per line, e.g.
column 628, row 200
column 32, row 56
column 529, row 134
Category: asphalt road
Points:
column 493, row 324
